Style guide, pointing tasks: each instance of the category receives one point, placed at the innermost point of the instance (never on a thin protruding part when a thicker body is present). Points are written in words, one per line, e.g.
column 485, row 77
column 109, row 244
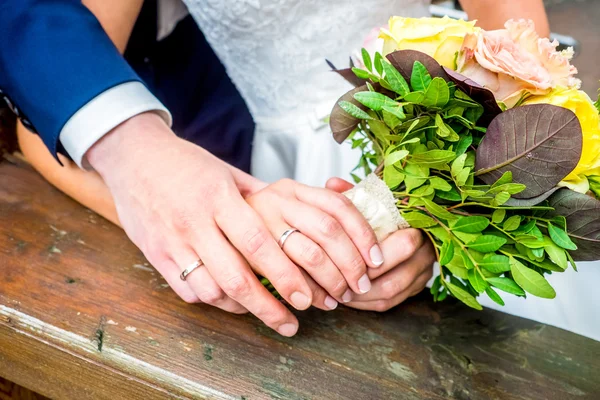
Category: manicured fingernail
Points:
column 376, row 255
column 347, row 297
column 300, row 300
column 364, row 284
column 288, row 329
column 330, row 303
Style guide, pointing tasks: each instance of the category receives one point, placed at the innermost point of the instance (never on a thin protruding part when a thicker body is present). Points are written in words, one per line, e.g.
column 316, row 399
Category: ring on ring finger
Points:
column 191, row 268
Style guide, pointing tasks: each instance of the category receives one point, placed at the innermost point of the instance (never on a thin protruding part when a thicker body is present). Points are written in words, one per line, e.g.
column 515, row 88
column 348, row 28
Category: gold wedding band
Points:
column 285, row 236
column 190, row 269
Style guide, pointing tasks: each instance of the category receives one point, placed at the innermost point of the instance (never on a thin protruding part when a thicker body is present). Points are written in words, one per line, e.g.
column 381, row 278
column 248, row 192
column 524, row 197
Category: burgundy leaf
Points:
column 403, row 61
column 342, row 124
column 480, row 94
column 540, row 144
column 583, row 222
column 347, row 74
column 512, row 202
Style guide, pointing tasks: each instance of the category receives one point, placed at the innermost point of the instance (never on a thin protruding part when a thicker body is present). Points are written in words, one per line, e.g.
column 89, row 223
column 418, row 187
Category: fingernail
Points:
column 347, row 297
column 300, row 300
column 376, row 255
column 364, row 284
column 288, row 329
column 330, row 303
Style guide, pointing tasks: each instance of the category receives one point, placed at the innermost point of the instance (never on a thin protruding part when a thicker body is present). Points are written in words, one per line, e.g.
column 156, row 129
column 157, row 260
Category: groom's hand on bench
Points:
column 178, row 204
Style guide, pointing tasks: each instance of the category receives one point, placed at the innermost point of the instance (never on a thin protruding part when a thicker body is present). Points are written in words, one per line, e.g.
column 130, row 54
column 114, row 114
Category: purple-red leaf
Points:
column 478, row 93
column 342, row 124
column 403, row 61
column 540, row 144
column 583, row 222
column 347, row 74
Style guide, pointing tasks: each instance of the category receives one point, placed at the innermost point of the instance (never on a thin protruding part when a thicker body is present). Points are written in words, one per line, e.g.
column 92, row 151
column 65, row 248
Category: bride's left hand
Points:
column 407, row 268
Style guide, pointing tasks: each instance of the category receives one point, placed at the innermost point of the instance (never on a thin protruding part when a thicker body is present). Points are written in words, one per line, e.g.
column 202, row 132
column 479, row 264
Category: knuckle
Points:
column 190, row 298
column 339, row 287
column 254, row 240
column 413, row 240
column 236, row 286
column 392, row 288
column 382, row 305
column 339, row 201
column 313, row 255
column 356, row 265
column 330, row 227
column 212, row 296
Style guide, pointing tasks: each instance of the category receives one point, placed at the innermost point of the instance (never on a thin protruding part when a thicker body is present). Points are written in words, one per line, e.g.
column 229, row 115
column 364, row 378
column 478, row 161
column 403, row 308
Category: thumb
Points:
column 338, row 185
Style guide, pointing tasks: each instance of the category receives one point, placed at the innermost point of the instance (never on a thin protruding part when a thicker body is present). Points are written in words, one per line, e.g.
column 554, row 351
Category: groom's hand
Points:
column 178, row 204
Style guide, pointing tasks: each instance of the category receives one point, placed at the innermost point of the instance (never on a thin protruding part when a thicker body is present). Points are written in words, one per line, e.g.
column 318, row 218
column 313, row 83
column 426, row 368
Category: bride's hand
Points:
column 408, row 266
column 334, row 244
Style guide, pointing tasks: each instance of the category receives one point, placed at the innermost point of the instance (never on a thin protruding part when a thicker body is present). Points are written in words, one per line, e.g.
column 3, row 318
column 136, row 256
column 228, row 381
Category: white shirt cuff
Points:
column 103, row 113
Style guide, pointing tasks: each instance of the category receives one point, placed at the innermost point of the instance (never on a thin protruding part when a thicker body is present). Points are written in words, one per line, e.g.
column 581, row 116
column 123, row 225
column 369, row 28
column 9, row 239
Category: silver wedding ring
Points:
column 285, row 236
column 190, row 269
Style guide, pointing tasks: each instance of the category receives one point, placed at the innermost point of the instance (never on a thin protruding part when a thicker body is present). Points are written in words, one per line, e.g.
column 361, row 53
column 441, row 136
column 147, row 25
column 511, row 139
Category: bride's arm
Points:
column 491, row 14
column 117, row 17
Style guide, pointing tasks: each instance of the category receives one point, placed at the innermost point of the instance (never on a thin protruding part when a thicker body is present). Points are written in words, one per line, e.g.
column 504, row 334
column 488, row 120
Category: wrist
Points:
column 130, row 138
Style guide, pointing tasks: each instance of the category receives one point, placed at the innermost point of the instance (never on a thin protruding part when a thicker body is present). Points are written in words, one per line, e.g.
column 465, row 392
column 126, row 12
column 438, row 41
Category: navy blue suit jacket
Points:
column 55, row 57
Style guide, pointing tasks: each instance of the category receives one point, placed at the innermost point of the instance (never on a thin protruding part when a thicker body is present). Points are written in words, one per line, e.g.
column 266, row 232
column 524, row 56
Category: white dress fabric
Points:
column 275, row 52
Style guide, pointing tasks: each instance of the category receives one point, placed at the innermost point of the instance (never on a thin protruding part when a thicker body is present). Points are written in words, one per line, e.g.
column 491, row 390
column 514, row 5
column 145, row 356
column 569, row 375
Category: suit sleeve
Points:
column 55, row 59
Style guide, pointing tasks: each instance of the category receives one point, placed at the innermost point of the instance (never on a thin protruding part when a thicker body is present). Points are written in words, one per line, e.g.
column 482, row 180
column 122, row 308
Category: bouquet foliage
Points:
column 483, row 176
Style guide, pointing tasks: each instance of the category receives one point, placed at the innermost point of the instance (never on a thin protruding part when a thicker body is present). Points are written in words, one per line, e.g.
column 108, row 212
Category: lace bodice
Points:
column 275, row 50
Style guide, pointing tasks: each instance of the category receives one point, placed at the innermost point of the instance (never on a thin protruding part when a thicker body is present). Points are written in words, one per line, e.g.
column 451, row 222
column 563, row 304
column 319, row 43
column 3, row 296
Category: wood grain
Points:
column 82, row 315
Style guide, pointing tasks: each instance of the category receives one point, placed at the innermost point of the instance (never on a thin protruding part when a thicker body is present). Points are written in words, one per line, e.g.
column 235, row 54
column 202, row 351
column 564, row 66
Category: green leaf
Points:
column 458, row 165
column 378, row 63
column 501, row 198
column 463, row 176
column 507, row 285
column 413, row 182
column 487, row 243
column 415, row 97
column 432, row 157
column 439, row 184
column 498, row 215
column 494, row 296
column 420, row 78
column 438, row 211
column 391, row 120
column 463, row 144
column 466, row 237
column 392, row 177
column 361, row 73
column 395, row 79
column 472, row 224
column 367, row 59
column 436, row 285
column 419, row 220
column 512, row 223
column 560, row 237
column 396, row 111
column 451, row 195
column 395, row 157
column 437, row 93
column 354, row 110
column 375, row 101
column 504, row 179
column 558, row 255
column 463, row 296
column 495, row 263
column 446, row 253
column 477, row 281
column 531, row 281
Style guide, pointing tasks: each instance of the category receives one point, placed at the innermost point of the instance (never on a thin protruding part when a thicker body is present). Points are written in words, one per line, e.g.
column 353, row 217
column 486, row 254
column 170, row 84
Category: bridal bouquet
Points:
column 483, row 140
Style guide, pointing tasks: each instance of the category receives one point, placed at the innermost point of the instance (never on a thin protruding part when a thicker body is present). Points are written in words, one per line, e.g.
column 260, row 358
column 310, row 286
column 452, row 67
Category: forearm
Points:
column 117, row 18
column 492, row 14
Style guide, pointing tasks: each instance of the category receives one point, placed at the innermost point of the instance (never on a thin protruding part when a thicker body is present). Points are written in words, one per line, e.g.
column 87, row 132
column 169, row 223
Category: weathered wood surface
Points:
column 83, row 316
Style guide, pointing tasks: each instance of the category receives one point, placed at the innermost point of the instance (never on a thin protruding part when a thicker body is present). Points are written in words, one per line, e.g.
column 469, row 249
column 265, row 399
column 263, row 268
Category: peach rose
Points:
column 515, row 61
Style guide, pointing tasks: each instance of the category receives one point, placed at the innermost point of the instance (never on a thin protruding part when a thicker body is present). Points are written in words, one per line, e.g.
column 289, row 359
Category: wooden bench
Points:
column 83, row 316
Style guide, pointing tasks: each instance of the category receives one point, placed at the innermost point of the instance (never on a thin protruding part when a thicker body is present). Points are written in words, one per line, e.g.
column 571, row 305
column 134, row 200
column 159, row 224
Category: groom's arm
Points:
column 64, row 76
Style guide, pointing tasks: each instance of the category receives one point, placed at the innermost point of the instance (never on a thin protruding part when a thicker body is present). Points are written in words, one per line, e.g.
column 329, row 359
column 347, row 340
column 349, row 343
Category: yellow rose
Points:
column 581, row 104
column 441, row 38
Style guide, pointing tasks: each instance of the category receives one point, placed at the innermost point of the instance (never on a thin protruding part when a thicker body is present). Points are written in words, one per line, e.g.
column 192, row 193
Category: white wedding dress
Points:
column 275, row 52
